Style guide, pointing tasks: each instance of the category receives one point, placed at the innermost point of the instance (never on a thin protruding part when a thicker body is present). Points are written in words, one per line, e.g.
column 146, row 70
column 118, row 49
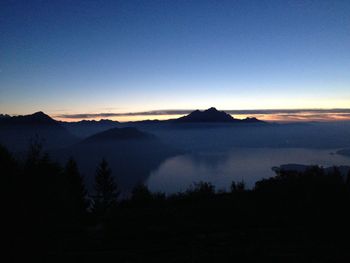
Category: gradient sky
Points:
column 67, row 57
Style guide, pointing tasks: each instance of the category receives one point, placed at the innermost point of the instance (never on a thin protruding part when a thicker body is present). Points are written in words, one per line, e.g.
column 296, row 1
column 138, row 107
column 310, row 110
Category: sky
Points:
column 90, row 57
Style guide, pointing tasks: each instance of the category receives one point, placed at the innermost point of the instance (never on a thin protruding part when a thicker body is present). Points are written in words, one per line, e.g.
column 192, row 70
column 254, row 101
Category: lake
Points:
column 221, row 168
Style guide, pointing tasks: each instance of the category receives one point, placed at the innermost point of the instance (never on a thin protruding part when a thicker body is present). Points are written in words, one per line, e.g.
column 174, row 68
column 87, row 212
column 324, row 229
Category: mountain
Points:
column 212, row 115
column 132, row 155
column 119, row 134
column 3, row 116
column 16, row 132
column 37, row 118
column 209, row 115
column 343, row 169
column 86, row 128
column 345, row 152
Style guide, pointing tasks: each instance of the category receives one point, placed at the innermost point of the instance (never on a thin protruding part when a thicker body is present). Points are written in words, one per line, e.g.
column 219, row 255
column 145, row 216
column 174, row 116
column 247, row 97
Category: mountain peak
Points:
column 37, row 118
column 40, row 114
column 211, row 109
column 209, row 115
column 213, row 115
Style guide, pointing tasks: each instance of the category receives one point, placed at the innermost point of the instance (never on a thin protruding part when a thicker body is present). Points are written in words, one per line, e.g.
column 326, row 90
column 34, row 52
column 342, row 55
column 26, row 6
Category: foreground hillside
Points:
column 292, row 217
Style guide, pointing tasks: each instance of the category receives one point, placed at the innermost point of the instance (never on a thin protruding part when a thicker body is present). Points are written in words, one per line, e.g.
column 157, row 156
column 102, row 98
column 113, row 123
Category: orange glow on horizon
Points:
column 126, row 118
column 281, row 117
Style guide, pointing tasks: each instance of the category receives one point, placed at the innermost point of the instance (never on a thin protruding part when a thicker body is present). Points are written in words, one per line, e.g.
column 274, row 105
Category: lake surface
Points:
column 221, row 168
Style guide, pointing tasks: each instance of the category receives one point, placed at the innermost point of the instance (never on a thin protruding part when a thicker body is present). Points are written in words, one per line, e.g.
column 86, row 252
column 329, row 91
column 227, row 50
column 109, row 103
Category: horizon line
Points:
column 283, row 115
column 172, row 112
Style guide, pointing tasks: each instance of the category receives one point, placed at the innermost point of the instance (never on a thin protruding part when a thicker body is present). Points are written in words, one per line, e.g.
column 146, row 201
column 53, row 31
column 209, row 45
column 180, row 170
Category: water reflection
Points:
column 221, row 168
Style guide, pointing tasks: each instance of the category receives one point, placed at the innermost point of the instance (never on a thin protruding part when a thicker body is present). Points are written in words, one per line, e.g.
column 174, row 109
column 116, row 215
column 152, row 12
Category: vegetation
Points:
column 292, row 217
column 106, row 190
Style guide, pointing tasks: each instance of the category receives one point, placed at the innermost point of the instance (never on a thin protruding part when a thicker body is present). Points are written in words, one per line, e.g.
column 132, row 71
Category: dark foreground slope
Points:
column 293, row 217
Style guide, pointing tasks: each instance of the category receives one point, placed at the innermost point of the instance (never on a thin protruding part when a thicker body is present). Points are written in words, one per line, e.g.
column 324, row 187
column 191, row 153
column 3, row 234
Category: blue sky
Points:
column 66, row 57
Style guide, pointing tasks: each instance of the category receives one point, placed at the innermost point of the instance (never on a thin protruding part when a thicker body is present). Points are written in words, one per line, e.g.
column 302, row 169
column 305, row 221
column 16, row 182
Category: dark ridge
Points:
column 213, row 115
column 251, row 119
column 102, row 121
column 36, row 118
column 209, row 115
column 128, row 133
column 16, row 132
column 345, row 152
column 86, row 128
column 4, row 116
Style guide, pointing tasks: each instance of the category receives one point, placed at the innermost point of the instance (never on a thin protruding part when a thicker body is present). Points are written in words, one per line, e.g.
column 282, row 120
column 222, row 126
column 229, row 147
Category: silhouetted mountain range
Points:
column 37, row 118
column 345, row 152
column 16, row 132
column 209, row 115
column 302, row 168
column 86, row 128
column 213, row 115
column 3, row 116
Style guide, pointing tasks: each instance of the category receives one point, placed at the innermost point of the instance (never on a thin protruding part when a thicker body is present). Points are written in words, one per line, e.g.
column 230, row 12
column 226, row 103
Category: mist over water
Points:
column 221, row 168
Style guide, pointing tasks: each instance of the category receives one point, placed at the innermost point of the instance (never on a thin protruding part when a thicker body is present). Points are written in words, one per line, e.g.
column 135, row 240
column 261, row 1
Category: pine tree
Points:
column 106, row 190
column 347, row 180
column 75, row 189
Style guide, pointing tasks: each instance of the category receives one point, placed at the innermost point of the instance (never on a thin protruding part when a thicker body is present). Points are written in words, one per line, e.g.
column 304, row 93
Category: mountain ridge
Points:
column 119, row 134
column 36, row 118
column 212, row 115
column 16, row 132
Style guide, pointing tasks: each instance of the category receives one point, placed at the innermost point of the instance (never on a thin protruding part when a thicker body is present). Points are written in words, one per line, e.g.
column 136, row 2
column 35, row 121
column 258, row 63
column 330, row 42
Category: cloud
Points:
column 182, row 112
column 109, row 114
column 272, row 114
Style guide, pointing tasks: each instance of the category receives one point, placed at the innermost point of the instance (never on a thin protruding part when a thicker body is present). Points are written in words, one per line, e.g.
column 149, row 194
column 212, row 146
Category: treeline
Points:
column 292, row 217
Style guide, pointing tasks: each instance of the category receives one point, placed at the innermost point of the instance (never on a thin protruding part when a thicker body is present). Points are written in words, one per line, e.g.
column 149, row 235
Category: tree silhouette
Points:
column 141, row 193
column 75, row 189
column 35, row 153
column 201, row 189
column 237, row 187
column 233, row 187
column 106, row 190
column 347, row 180
column 240, row 186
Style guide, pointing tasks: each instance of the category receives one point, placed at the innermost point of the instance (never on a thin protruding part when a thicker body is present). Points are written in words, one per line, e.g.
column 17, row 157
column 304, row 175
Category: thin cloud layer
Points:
column 278, row 115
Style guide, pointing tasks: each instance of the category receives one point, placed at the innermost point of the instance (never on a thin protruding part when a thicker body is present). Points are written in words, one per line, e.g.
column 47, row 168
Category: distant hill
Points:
column 17, row 131
column 345, row 152
column 212, row 115
column 3, row 116
column 37, row 118
column 119, row 134
column 132, row 154
column 86, row 128
column 343, row 169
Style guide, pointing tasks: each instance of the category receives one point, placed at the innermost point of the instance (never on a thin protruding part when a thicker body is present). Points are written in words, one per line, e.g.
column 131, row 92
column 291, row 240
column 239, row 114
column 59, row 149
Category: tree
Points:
column 35, row 153
column 75, row 189
column 201, row 189
column 347, row 180
column 240, row 186
column 237, row 187
column 233, row 187
column 106, row 190
column 141, row 193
